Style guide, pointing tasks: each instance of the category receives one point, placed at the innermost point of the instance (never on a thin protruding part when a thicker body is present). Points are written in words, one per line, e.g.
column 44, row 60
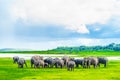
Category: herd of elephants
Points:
column 65, row 61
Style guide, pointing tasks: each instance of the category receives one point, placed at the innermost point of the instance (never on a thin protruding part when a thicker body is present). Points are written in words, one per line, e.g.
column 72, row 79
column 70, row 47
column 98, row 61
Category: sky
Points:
column 47, row 24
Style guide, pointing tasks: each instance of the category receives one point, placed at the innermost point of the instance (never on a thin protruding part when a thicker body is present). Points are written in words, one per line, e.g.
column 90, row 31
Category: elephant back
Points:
column 71, row 63
column 37, row 58
column 93, row 60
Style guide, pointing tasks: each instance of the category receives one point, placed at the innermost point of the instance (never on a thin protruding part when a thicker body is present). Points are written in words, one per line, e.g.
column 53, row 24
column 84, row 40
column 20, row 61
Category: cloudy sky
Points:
column 47, row 24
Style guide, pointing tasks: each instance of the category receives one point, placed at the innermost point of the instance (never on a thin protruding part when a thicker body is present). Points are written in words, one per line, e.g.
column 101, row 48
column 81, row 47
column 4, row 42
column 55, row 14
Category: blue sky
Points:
column 47, row 24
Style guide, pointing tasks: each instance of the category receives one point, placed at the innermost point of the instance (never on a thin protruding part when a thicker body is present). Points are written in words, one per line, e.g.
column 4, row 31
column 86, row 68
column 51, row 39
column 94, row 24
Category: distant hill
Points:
column 12, row 49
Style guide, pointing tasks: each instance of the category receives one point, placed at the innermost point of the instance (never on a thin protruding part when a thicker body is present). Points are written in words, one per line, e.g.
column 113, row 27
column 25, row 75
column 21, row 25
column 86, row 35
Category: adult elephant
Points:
column 93, row 61
column 50, row 61
column 78, row 62
column 70, row 65
column 15, row 59
column 65, row 59
column 38, row 63
column 102, row 60
column 90, row 61
column 35, row 59
column 59, row 63
column 86, row 63
column 21, row 63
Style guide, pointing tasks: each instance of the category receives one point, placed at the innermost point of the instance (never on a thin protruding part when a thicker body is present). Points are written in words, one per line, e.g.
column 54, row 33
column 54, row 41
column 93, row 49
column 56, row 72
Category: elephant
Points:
column 65, row 59
column 38, row 63
column 15, row 59
column 90, row 61
column 102, row 60
column 70, row 65
column 48, row 61
column 51, row 62
column 59, row 62
column 35, row 58
column 78, row 62
column 21, row 63
column 86, row 63
column 93, row 61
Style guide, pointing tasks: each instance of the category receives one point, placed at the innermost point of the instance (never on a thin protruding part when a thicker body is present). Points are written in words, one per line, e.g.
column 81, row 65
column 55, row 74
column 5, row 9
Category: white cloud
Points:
column 70, row 13
column 78, row 28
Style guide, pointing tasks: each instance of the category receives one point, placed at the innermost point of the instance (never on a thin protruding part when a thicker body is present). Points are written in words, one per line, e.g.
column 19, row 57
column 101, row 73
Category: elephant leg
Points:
column 22, row 66
column 43, row 66
column 84, row 66
column 98, row 65
column 56, row 66
column 26, row 64
column 14, row 62
column 76, row 65
column 94, row 65
column 88, row 65
column 31, row 65
column 18, row 66
column 61, row 66
column 105, row 65
column 34, row 66
column 39, row 65
column 68, row 69
column 50, row 66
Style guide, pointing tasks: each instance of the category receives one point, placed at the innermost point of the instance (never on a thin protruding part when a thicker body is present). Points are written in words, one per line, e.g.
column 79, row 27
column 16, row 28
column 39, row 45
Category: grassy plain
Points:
column 10, row 71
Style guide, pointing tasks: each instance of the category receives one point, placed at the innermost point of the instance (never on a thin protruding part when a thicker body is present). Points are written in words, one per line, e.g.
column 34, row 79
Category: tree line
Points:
column 109, row 47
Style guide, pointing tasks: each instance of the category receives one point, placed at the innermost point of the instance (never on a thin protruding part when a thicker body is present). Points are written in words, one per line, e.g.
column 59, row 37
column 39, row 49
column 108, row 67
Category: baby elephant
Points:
column 21, row 63
column 15, row 59
column 70, row 65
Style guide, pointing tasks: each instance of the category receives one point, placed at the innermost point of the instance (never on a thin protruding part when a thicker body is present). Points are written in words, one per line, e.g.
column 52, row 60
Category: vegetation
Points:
column 108, row 50
column 10, row 71
column 110, row 47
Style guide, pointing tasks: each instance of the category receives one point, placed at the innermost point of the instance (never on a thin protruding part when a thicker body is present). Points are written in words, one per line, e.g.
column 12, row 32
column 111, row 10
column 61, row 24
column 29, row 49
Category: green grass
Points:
column 10, row 71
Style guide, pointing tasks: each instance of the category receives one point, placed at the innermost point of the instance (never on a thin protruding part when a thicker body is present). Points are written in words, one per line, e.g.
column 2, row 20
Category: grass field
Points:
column 10, row 71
